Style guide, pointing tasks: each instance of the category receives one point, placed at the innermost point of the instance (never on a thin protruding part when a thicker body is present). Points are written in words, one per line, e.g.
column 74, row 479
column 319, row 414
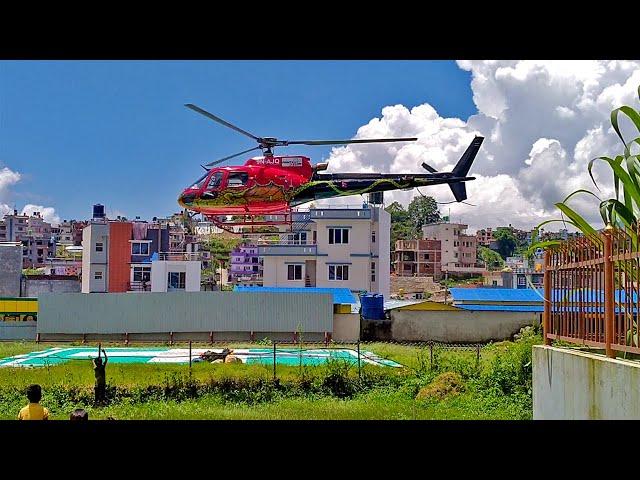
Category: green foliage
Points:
column 220, row 248
column 491, row 259
column 507, row 241
column 422, row 211
column 496, row 387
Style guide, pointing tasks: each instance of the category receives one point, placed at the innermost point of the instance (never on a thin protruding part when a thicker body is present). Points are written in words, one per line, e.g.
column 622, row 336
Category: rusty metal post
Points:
column 210, row 338
column 609, row 292
column 546, row 315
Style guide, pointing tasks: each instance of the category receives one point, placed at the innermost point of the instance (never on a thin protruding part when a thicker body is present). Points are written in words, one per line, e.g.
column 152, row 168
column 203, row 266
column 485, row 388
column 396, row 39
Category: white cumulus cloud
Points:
column 543, row 121
column 8, row 178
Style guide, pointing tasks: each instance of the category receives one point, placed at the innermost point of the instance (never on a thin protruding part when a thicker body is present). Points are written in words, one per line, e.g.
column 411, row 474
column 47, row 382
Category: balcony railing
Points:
column 181, row 256
column 137, row 286
column 283, row 249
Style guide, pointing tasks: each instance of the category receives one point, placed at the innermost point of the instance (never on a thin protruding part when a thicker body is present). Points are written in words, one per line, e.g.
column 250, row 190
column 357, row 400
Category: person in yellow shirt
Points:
column 34, row 411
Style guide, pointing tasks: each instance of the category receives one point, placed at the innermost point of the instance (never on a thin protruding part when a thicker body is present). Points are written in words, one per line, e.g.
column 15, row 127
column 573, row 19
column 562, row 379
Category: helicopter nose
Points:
column 186, row 199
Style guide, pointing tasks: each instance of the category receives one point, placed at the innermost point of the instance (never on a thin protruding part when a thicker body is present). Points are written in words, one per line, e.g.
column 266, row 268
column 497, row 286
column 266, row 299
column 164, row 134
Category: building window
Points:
column 176, row 280
column 99, row 246
column 495, row 283
column 338, row 235
column 294, row 272
column 373, row 271
column 139, row 248
column 141, row 274
column 338, row 272
column 315, row 237
column 522, row 281
column 373, row 236
column 97, row 276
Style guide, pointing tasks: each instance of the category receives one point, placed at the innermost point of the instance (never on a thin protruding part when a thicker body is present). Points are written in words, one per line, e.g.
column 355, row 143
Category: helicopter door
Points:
column 214, row 184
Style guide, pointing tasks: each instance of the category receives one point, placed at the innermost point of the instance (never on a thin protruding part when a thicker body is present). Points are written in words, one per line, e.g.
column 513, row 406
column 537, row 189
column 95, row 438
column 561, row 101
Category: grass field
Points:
column 498, row 387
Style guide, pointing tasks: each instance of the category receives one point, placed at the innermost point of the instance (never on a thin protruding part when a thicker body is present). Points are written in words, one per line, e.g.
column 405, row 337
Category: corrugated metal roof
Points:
column 511, row 295
column 502, row 308
column 341, row 296
column 393, row 304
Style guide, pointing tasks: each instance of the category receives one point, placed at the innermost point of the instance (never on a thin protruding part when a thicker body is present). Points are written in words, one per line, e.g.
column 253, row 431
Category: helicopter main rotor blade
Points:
column 230, row 157
column 345, row 142
column 195, row 108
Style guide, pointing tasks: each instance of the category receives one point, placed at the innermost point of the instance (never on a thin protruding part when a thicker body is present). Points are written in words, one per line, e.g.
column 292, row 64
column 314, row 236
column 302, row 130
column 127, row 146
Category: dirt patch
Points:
column 445, row 384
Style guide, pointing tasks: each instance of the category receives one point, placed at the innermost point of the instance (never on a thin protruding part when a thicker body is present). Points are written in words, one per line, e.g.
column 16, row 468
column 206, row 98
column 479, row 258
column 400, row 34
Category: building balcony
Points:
column 181, row 256
column 287, row 250
column 136, row 286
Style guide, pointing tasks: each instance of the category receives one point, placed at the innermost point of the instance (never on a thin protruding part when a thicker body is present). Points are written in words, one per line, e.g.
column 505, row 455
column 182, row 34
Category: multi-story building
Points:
column 332, row 247
column 33, row 233
column 419, row 258
column 458, row 250
column 484, row 237
column 245, row 266
column 117, row 255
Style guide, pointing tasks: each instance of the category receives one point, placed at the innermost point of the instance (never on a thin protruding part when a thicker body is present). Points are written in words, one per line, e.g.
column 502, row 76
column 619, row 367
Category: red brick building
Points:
column 421, row 258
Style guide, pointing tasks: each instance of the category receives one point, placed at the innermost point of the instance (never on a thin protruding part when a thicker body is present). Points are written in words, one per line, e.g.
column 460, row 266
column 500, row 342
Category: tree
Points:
column 491, row 258
column 422, row 211
column 397, row 212
column 507, row 241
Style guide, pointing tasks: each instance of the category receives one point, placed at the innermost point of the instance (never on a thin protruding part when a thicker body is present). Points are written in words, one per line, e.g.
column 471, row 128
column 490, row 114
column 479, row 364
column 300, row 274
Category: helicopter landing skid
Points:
column 255, row 223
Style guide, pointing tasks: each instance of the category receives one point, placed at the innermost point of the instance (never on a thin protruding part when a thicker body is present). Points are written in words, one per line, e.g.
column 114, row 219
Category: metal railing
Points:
column 591, row 288
column 181, row 256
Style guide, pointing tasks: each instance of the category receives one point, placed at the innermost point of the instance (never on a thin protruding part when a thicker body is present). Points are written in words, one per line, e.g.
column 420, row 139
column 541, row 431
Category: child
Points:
column 101, row 384
column 34, row 411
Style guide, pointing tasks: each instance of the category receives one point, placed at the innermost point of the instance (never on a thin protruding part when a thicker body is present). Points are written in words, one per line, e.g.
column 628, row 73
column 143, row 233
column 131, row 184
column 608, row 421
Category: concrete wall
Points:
column 117, row 313
column 17, row 330
column 346, row 327
column 34, row 287
column 578, row 385
column 10, row 269
column 461, row 326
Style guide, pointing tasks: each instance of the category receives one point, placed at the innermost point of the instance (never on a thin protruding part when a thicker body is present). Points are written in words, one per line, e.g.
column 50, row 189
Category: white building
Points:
column 175, row 275
column 332, row 247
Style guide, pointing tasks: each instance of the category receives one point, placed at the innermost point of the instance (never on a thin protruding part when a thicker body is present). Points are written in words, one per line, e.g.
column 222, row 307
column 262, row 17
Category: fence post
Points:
column 431, row 355
column 546, row 315
column 189, row 358
column 359, row 366
column 477, row 355
column 609, row 291
column 274, row 362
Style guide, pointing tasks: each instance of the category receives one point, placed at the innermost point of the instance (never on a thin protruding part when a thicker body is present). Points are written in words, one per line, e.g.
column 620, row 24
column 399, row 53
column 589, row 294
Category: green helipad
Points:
column 283, row 356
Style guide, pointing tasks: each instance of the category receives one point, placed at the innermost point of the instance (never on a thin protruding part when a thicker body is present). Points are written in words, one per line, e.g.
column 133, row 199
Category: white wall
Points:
column 575, row 385
column 93, row 261
column 160, row 272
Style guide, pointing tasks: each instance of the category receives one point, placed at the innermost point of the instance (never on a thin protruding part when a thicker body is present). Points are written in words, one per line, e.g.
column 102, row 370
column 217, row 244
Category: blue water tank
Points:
column 372, row 306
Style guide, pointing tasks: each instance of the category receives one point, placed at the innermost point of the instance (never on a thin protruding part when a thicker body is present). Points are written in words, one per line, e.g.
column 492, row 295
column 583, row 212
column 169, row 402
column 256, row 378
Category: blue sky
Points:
column 117, row 133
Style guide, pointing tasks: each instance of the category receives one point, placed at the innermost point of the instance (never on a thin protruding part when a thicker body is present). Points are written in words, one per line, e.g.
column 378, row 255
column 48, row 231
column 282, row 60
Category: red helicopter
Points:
column 265, row 188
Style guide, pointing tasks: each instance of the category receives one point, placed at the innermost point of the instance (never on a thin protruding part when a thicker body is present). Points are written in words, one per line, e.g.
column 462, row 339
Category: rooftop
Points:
column 341, row 296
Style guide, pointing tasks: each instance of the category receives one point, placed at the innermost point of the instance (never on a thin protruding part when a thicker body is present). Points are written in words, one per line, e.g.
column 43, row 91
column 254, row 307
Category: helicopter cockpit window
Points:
column 237, row 179
column 216, row 180
column 200, row 181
